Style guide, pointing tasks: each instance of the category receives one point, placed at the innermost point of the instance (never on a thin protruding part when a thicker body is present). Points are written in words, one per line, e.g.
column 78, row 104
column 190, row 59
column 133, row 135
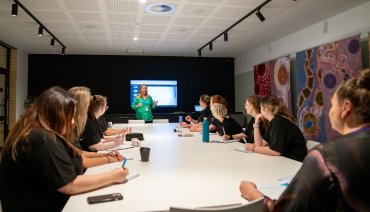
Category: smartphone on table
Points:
column 104, row 198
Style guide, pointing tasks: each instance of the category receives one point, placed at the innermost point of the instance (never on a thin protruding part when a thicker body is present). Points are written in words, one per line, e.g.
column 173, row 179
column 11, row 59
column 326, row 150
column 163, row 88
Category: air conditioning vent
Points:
column 159, row 8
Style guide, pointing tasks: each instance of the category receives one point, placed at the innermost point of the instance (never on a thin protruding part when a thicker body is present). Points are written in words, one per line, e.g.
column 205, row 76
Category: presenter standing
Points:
column 143, row 105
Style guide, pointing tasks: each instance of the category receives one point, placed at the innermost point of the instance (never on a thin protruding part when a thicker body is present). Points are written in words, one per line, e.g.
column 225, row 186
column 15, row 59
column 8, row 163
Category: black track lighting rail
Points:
column 209, row 43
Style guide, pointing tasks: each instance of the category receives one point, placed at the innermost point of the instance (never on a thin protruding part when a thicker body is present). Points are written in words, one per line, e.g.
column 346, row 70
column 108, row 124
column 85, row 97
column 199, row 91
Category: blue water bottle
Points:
column 205, row 130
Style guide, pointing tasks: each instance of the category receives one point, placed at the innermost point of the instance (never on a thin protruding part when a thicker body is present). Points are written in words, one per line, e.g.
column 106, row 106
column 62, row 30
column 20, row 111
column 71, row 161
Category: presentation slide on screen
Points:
column 165, row 92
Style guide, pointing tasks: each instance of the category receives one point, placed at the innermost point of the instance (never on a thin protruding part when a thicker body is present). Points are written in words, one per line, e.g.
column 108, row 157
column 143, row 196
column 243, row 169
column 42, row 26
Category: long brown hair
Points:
column 255, row 101
column 52, row 111
column 357, row 91
column 273, row 103
column 95, row 103
column 82, row 96
column 219, row 99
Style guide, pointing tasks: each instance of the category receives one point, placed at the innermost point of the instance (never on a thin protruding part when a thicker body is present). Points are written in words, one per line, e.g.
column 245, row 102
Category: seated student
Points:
column 284, row 137
column 89, row 159
column 204, row 101
column 253, row 107
column 92, row 138
column 107, row 131
column 40, row 163
column 229, row 125
column 214, row 124
column 334, row 176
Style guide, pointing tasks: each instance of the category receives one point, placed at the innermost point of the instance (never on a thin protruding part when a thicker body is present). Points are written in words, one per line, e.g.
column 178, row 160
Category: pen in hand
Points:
column 124, row 162
column 223, row 129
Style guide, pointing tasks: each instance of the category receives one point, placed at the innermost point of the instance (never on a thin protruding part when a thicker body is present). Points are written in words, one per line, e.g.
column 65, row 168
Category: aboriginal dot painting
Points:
column 339, row 61
column 279, row 71
column 319, row 72
column 261, row 80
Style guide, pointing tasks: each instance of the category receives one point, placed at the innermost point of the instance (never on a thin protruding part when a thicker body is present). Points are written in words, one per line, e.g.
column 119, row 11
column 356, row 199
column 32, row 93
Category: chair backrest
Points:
column 253, row 206
column 238, row 117
column 134, row 121
column 160, row 121
column 311, row 144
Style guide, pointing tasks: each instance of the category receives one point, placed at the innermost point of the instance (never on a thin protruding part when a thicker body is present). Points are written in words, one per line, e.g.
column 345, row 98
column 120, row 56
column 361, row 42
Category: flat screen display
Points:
column 198, row 108
column 165, row 91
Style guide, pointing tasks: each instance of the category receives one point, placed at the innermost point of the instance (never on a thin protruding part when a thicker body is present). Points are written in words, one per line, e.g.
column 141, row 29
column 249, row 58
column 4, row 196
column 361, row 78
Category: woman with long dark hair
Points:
column 41, row 165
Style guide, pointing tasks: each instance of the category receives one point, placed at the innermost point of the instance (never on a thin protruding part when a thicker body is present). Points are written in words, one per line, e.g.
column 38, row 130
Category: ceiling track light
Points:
column 199, row 53
column 260, row 16
column 52, row 42
column 63, row 50
column 14, row 9
column 41, row 31
column 41, row 26
column 225, row 32
column 226, row 37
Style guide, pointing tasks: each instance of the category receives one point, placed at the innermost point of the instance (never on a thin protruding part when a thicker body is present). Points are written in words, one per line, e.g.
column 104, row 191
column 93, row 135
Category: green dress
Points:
column 145, row 111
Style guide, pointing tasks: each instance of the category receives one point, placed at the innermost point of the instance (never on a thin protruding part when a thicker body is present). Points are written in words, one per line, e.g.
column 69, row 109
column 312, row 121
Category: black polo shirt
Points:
column 285, row 137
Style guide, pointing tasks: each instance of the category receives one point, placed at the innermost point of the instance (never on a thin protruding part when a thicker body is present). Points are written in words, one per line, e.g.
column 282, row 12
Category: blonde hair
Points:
column 82, row 95
column 219, row 110
column 139, row 94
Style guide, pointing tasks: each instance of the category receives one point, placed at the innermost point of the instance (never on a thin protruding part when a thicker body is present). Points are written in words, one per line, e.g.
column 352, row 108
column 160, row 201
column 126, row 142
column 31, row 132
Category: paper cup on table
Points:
column 144, row 153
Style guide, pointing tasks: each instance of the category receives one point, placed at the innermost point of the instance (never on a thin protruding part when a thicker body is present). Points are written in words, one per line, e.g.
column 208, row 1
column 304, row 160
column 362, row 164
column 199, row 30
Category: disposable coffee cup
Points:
column 110, row 124
column 144, row 153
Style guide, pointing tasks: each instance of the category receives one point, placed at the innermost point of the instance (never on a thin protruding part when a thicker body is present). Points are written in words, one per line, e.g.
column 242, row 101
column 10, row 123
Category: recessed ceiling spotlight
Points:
column 136, row 38
column 160, row 8
column 142, row 1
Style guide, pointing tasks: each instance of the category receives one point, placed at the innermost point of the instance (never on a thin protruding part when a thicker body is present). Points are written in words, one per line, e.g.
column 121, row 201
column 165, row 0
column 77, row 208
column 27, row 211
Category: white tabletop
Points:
column 184, row 171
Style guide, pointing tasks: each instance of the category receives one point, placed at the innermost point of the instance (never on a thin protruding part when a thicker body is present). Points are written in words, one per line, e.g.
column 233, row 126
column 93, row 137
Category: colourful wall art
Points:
column 339, row 61
column 319, row 72
column 261, row 80
column 309, row 96
column 279, row 71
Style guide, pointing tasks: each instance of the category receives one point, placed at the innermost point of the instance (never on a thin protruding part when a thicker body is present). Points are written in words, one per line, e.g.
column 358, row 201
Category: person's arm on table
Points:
column 265, row 150
column 104, row 145
column 84, row 183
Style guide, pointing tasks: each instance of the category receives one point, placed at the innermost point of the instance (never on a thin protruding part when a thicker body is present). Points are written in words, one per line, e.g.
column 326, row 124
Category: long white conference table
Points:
column 184, row 172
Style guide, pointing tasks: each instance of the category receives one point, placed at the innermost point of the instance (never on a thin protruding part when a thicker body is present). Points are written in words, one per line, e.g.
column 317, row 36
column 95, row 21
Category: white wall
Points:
column 343, row 25
column 22, row 81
